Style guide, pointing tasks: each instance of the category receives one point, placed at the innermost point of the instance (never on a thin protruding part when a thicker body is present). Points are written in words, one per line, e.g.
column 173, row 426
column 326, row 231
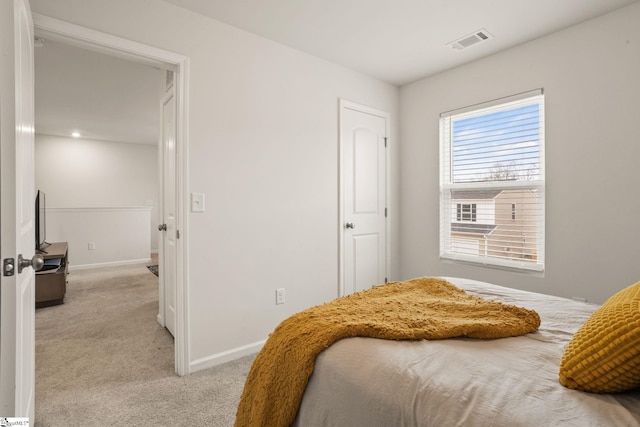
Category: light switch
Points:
column 197, row 202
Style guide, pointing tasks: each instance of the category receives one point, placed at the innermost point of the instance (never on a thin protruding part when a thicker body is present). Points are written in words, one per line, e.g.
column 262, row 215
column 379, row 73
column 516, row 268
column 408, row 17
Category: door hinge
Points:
column 177, row 234
column 385, row 212
column 385, row 141
column 385, row 280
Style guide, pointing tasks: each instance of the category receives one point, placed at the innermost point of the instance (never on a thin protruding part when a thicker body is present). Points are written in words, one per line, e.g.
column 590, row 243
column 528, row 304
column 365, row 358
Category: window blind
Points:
column 492, row 183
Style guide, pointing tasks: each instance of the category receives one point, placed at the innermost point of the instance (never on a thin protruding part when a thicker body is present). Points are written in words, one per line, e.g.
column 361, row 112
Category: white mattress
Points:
column 462, row 382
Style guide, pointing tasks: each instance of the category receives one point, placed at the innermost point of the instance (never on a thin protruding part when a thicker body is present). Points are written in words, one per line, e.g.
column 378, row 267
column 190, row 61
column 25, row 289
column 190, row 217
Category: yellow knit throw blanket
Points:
column 424, row 308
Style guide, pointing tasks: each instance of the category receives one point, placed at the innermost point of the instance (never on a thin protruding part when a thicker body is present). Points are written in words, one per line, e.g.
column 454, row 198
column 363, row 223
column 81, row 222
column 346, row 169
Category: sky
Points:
column 497, row 145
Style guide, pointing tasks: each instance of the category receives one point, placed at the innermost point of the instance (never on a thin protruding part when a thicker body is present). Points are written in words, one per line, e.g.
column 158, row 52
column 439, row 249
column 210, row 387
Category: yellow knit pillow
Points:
column 604, row 355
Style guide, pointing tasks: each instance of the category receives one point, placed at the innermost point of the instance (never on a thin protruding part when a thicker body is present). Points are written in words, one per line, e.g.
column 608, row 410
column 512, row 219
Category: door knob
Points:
column 350, row 225
column 162, row 227
column 37, row 262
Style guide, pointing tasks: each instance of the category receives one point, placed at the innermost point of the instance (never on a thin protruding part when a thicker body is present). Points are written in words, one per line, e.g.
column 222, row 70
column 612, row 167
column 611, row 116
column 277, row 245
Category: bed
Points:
column 513, row 381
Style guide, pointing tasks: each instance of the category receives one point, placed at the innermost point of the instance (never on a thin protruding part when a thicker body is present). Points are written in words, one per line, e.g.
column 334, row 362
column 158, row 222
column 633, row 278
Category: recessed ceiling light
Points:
column 75, row 134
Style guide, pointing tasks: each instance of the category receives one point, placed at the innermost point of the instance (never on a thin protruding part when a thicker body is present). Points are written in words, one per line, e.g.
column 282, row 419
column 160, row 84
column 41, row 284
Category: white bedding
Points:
column 462, row 382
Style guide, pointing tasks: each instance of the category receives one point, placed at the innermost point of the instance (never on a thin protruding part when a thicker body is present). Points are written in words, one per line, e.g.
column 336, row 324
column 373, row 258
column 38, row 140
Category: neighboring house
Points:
column 498, row 223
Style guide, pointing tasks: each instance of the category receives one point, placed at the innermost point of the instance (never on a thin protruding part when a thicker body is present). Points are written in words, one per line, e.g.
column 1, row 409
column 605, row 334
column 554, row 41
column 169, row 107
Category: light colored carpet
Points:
column 102, row 359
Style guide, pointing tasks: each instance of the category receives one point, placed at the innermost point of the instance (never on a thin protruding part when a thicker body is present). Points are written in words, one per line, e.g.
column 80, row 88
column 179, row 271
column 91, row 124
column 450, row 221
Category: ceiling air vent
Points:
column 471, row 39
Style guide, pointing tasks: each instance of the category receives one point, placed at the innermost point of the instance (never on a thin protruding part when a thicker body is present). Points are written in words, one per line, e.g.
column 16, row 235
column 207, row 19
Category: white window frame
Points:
column 471, row 213
column 536, row 184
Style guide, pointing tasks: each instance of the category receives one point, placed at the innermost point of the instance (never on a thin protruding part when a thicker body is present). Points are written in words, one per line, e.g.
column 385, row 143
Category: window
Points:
column 492, row 160
column 466, row 212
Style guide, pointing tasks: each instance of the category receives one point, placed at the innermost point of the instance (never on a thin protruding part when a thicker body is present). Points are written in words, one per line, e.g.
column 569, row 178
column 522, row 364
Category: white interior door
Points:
column 17, row 196
column 168, row 259
column 363, row 140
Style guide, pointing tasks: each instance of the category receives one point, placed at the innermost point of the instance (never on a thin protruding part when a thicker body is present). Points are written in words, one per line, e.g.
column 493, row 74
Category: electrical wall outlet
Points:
column 280, row 296
column 92, row 246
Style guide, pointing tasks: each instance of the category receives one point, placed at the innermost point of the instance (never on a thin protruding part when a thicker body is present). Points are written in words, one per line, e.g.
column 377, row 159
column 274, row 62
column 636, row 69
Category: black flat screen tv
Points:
column 41, row 220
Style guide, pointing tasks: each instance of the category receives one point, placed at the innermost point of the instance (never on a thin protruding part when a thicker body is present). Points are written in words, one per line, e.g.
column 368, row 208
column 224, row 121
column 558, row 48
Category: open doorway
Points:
column 65, row 33
column 97, row 120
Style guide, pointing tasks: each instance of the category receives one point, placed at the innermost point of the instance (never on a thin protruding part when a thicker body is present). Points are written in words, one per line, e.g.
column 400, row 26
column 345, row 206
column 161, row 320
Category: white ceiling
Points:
column 398, row 41
column 101, row 97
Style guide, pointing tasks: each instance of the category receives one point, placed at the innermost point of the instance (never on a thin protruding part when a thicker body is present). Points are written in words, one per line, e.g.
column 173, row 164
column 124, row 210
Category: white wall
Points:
column 76, row 174
column 263, row 126
column 101, row 236
column 592, row 94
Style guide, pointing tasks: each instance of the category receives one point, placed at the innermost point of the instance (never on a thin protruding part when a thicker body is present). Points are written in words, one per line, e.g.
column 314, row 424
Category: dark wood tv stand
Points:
column 51, row 284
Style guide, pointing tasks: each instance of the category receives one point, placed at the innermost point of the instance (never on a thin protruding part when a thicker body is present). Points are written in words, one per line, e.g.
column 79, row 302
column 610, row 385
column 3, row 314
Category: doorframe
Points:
column 55, row 29
column 350, row 105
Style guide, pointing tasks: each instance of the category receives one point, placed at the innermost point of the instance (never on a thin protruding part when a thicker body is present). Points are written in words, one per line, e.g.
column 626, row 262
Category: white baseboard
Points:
column 225, row 356
column 109, row 264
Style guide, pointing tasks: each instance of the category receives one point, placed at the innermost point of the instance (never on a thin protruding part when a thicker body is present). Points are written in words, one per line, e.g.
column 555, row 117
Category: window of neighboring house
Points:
column 466, row 212
column 493, row 154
